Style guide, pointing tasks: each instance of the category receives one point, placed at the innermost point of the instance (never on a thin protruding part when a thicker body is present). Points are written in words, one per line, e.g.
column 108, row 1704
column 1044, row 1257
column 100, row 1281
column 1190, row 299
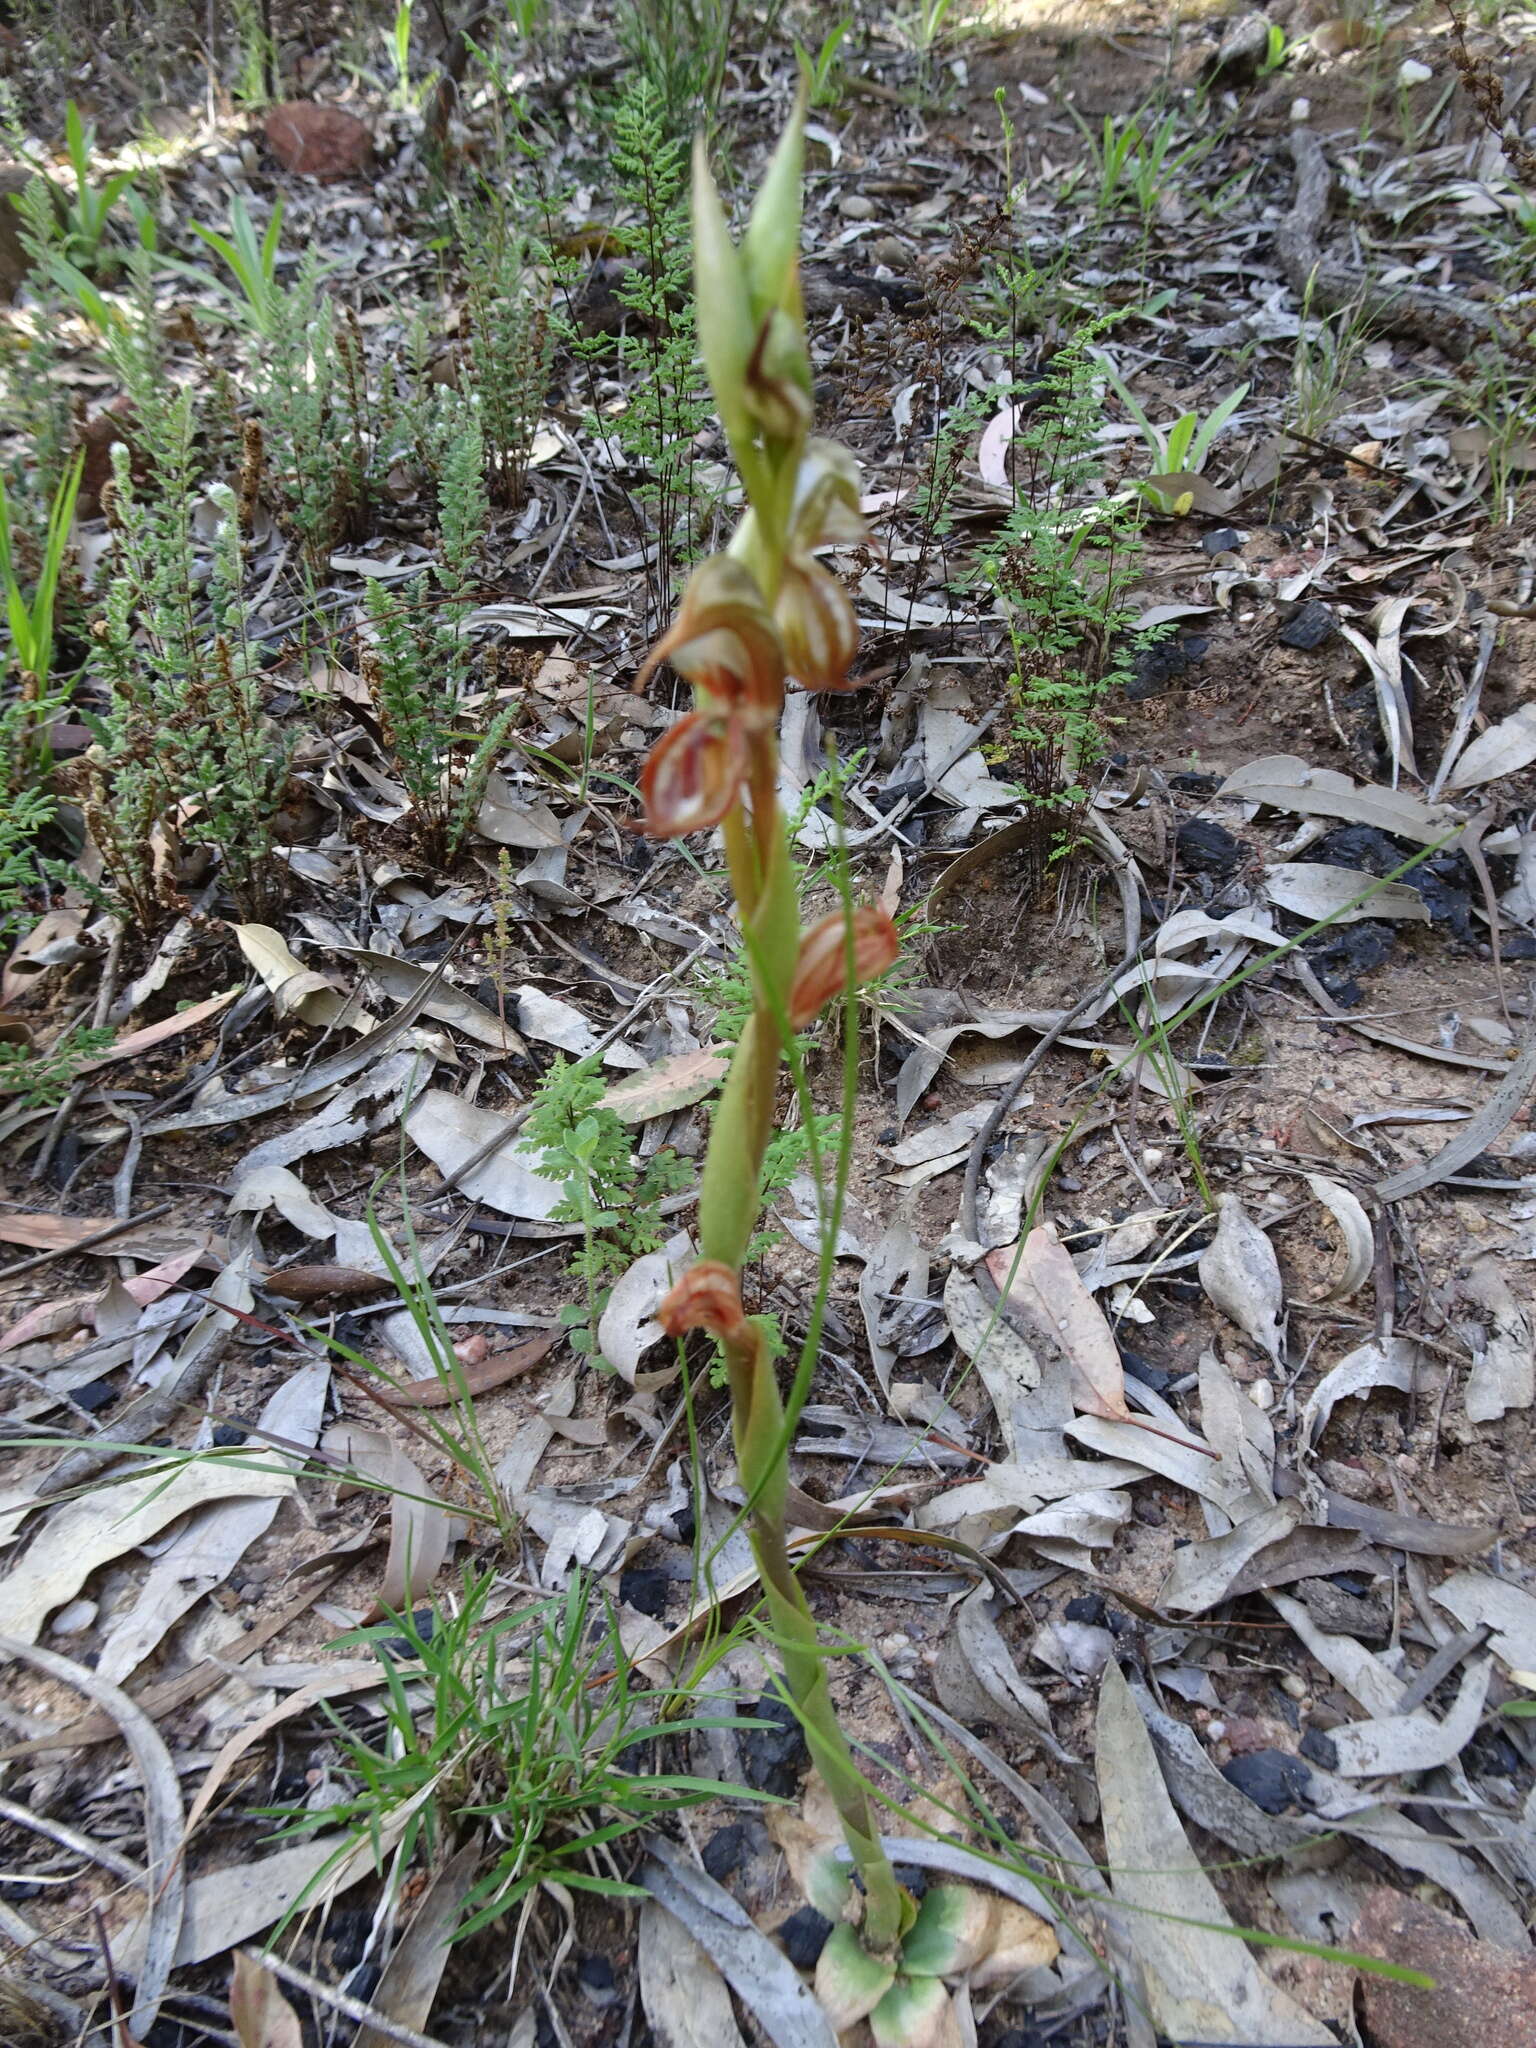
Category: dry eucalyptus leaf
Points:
column 685, row 1997
column 1504, row 749
column 1315, row 890
column 206, row 1551
column 1289, row 784
column 1503, row 1374
column 677, row 1082
column 1345, row 1207
column 297, row 990
column 1202, row 1983
column 275, row 1187
column 1400, row 1364
column 262, row 2017
column 401, row 979
column 411, row 1977
column 1477, row 1599
column 1040, row 1278
column 1398, row 1743
column 110, row 1521
column 628, row 1328
column 452, row 1132
column 1240, row 1273
column 1008, row 1366
column 760, row 1974
column 421, row 1529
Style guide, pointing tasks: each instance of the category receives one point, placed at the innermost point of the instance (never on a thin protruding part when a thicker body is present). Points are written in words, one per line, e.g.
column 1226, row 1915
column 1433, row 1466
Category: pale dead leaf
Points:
column 1202, row 1983
column 86, row 1533
column 1240, row 1273
column 685, row 1997
column 421, row 1529
column 1503, row 749
column 1315, row 890
column 452, row 1131
column 402, row 979
column 1041, row 1279
column 262, row 2017
column 1344, row 1206
column 297, row 990
column 1289, row 784
column 677, row 1082
column 411, row 1977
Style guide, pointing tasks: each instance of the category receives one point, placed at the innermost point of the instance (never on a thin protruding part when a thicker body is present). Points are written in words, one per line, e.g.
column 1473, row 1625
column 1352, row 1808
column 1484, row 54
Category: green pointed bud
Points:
column 771, row 250
column 953, row 1930
column 917, row 2012
column 727, row 328
column 850, row 1982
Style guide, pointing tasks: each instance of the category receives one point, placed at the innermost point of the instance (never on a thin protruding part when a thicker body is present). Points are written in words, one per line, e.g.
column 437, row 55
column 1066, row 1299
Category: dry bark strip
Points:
column 1440, row 318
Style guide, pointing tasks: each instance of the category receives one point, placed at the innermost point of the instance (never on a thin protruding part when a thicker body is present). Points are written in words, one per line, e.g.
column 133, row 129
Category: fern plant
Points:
column 1061, row 567
column 416, row 663
column 506, row 311
column 184, row 756
column 586, row 1148
column 658, row 349
column 306, row 367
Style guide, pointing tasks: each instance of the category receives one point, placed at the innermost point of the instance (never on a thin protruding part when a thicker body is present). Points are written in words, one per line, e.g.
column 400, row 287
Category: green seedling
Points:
column 1179, row 450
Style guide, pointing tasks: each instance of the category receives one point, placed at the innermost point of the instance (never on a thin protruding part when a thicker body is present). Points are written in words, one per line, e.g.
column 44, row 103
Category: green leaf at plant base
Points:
column 828, row 1885
column 917, row 2012
column 954, row 1929
column 850, row 1982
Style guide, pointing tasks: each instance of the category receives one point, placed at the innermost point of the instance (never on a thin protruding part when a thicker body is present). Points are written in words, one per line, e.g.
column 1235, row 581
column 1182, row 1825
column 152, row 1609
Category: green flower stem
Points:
column 758, row 1419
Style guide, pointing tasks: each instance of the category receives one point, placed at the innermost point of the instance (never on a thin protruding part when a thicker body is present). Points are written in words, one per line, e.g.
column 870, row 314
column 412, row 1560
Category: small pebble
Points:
column 74, row 1619
column 854, row 206
column 1293, row 1685
column 1262, row 1394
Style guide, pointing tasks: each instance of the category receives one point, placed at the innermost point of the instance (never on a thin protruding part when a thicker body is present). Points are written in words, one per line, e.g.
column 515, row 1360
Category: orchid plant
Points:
column 760, row 615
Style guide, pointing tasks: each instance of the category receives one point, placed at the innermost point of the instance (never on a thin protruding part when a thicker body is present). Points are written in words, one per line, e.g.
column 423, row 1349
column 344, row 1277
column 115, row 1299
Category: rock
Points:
column 94, row 1396
column 1482, row 1994
column 1271, row 1778
column 645, row 1587
column 74, row 1619
column 1353, row 949
column 1247, row 1734
column 1309, row 626
column 1223, row 541
column 1163, row 663
column 804, row 1936
column 1208, row 848
column 317, row 142
column 724, row 1851
column 14, row 263
column 854, row 206
column 1342, row 1613
column 772, row 1757
column 1242, row 49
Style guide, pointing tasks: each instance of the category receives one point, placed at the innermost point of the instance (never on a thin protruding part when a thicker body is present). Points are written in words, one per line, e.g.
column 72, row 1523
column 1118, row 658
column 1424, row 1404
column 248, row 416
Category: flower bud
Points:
column 708, row 1297
column 817, row 627
column 821, row 972
column 694, row 775
column 826, row 511
column 778, row 381
column 723, row 638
